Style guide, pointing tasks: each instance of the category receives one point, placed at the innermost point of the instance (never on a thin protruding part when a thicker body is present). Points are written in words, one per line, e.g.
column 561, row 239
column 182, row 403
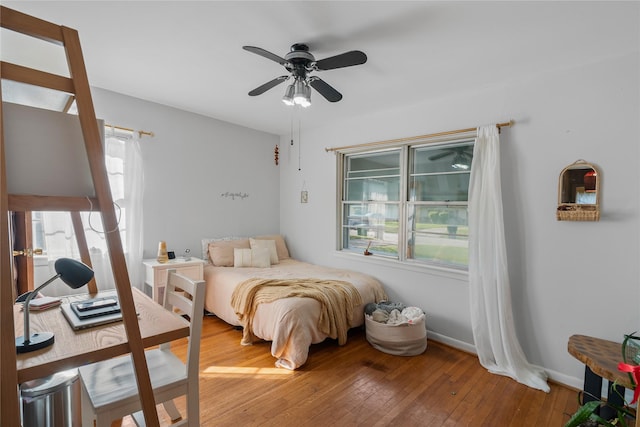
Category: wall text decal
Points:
column 233, row 196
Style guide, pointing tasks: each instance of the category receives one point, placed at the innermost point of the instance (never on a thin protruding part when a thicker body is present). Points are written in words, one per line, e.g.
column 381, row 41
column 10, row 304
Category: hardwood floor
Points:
column 357, row 385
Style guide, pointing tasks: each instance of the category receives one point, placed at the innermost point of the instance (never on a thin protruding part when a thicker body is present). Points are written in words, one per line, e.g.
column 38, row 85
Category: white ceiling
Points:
column 188, row 54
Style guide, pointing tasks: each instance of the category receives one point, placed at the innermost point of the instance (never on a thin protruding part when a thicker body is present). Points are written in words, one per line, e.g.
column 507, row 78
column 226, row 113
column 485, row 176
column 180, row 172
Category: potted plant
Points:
column 587, row 416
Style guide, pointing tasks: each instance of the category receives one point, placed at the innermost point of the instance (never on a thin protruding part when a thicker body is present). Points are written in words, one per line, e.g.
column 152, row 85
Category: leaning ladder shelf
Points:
column 77, row 85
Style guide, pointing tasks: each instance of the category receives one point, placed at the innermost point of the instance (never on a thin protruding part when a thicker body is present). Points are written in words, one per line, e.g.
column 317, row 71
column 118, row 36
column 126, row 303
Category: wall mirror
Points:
column 579, row 192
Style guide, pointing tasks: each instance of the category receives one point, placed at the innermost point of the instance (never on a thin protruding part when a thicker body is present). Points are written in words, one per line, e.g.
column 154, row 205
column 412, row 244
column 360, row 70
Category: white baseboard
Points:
column 470, row 348
column 460, row 345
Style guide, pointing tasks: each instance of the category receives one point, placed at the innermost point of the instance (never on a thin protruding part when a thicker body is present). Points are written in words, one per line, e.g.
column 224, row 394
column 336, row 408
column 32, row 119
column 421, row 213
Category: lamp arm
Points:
column 27, row 333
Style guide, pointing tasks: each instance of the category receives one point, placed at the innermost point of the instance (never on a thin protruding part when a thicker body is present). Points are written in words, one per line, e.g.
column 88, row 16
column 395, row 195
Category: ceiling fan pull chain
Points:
column 299, row 145
column 291, row 133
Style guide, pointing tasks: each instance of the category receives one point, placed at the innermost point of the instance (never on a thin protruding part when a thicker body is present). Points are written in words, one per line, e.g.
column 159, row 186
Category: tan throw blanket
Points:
column 337, row 300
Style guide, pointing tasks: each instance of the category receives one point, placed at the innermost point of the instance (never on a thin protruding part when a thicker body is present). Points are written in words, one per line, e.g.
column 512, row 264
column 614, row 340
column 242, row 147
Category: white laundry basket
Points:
column 399, row 340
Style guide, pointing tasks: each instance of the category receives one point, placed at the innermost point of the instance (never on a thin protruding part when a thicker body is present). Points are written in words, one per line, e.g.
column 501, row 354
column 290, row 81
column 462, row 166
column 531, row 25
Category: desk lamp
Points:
column 75, row 274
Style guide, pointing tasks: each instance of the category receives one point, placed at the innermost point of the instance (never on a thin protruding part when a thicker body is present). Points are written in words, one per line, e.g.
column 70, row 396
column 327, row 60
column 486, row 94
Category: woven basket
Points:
column 573, row 212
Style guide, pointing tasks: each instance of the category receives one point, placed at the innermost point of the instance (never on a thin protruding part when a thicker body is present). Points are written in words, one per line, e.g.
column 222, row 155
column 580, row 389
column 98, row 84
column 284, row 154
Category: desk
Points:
column 75, row 348
column 156, row 274
column 601, row 358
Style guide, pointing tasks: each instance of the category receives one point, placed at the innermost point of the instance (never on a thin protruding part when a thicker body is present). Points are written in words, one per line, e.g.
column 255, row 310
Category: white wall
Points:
column 566, row 277
column 189, row 164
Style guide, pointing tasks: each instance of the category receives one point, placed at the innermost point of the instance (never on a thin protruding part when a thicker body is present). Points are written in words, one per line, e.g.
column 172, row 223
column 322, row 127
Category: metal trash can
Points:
column 53, row 401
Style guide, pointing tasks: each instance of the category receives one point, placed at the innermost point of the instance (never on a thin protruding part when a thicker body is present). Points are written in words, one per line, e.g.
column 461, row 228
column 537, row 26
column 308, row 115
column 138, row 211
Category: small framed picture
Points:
column 304, row 197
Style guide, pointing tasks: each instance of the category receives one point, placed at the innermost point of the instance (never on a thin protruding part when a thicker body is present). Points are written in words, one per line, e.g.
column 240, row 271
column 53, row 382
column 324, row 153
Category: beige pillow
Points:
column 206, row 240
column 281, row 246
column 221, row 252
column 258, row 257
column 267, row 244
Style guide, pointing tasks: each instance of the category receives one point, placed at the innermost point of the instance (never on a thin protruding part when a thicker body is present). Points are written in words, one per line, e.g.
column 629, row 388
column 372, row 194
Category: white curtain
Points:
column 126, row 176
column 123, row 161
column 491, row 312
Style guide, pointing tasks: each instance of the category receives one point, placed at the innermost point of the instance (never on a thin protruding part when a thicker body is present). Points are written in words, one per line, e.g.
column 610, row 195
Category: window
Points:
column 54, row 232
column 408, row 203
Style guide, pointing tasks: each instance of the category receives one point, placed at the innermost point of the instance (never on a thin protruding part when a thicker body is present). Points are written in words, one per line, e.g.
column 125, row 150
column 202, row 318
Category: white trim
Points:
column 460, row 345
column 558, row 377
column 450, row 273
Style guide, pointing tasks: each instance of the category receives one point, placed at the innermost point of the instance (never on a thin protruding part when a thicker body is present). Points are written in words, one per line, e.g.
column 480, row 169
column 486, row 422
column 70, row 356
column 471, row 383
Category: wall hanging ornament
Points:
column 275, row 154
column 579, row 192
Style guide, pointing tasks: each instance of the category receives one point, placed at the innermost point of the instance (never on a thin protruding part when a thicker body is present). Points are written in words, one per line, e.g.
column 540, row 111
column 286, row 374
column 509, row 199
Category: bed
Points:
column 291, row 323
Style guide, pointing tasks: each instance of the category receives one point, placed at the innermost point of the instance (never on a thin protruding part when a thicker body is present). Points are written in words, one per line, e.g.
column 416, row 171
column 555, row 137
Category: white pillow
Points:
column 251, row 258
column 281, row 246
column 268, row 244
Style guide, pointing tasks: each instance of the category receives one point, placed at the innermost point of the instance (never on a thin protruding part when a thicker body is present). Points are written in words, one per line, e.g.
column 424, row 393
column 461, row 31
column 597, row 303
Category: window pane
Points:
column 373, row 177
column 386, row 163
column 442, row 158
column 450, row 187
column 439, row 234
column 373, row 189
column 371, row 225
column 441, row 172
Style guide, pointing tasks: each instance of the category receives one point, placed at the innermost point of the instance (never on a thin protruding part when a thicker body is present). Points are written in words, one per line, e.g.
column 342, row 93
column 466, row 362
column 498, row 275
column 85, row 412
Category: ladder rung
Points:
column 30, row 76
column 25, row 203
column 31, row 26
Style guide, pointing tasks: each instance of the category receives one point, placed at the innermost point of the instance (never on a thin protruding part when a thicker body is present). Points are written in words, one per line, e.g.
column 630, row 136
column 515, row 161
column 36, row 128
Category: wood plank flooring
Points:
column 357, row 385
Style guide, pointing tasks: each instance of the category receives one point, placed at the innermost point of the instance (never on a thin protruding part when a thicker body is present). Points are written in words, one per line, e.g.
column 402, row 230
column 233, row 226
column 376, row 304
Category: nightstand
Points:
column 155, row 277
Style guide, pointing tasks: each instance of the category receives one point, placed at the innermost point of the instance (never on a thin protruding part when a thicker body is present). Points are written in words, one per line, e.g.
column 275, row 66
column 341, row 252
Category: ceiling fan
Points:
column 299, row 62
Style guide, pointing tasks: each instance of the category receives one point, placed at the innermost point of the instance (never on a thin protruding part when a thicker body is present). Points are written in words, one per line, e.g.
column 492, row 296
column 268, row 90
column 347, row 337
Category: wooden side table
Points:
column 156, row 274
column 601, row 358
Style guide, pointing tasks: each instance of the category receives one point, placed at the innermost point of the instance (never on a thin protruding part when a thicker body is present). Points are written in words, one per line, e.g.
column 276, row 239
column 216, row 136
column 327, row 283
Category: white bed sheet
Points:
column 291, row 324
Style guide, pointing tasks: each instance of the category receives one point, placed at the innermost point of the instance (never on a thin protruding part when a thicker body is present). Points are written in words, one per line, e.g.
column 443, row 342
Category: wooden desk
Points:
column 601, row 358
column 75, row 348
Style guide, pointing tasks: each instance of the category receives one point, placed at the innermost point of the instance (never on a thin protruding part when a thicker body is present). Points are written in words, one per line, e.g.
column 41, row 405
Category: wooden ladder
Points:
column 77, row 85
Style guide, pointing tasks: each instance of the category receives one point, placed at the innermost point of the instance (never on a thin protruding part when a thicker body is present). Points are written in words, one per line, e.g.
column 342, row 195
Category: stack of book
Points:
column 43, row 303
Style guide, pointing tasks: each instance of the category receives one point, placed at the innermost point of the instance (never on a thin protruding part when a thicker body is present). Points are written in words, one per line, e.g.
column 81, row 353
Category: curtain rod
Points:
column 72, row 99
column 414, row 138
column 140, row 132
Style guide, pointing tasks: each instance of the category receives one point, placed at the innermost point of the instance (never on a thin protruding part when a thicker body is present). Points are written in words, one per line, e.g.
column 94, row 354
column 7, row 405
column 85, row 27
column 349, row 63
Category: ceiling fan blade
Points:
column 325, row 89
column 347, row 59
column 441, row 155
column 268, row 85
column 266, row 54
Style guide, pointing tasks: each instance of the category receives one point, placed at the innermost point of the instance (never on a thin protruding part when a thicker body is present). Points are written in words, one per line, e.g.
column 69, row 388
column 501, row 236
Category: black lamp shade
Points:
column 74, row 273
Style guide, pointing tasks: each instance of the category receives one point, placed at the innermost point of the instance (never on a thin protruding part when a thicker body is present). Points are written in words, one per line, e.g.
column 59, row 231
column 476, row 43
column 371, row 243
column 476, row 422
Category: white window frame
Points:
column 405, row 204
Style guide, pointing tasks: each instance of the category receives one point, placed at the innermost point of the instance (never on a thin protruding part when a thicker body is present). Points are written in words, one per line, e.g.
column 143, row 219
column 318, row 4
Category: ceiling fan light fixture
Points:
column 459, row 162
column 302, row 93
column 288, row 95
column 305, row 101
